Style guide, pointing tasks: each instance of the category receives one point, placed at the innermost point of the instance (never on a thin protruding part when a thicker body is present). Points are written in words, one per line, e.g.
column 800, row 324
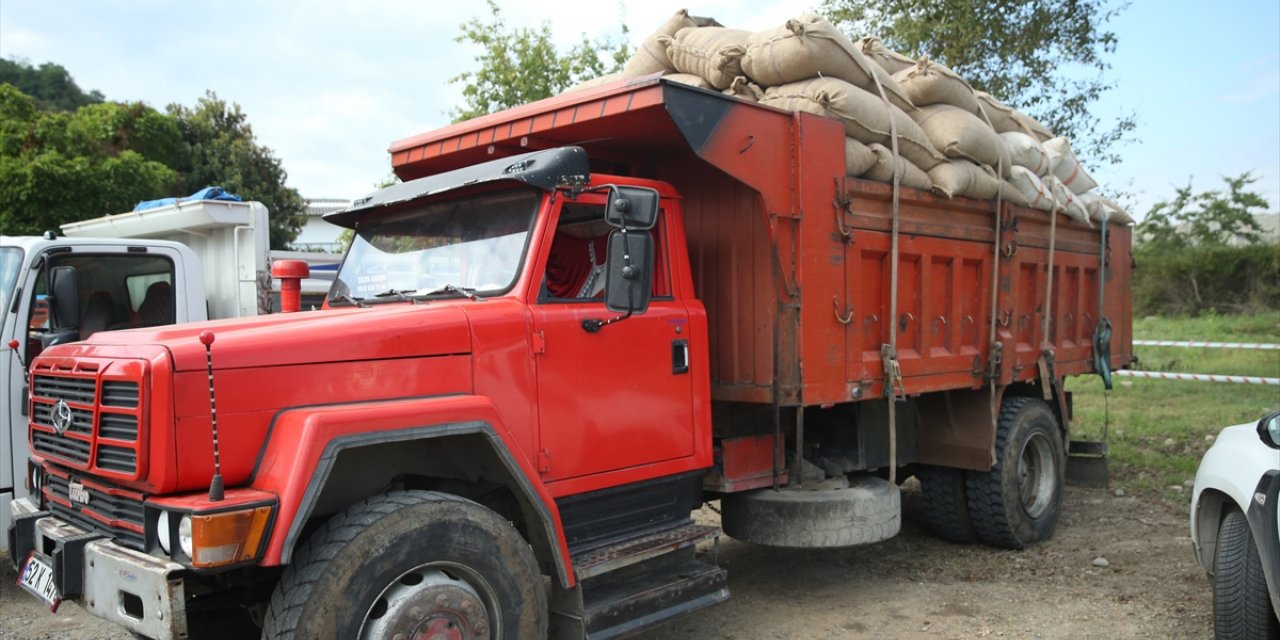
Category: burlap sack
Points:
column 888, row 59
column 691, row 79
column 960, row 134
column 1033, row 191
column 927, row 82
column 1101, row 208
column 743, row 87
column 1067, row 167
column 715, row 53
column 1065, row 201
column 1005, row 118
column 964, row 178
column 865, row 117
column 1026, row 151
column 651, row 57
column 1011, row 193
column 882, row 171
column 595, row 82
column 809, row 47
column 858, row 157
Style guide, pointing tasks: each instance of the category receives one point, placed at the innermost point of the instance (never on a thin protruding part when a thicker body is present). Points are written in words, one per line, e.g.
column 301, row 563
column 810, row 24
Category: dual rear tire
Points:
column 1016, row 503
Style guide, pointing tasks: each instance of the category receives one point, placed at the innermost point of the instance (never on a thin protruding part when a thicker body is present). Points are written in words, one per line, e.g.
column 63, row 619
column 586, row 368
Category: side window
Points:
column 117, row 291
column 576, row 264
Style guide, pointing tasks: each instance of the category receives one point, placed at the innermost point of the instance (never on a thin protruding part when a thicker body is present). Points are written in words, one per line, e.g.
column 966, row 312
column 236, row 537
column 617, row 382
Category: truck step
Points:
column 601, row 560
column 624, row 607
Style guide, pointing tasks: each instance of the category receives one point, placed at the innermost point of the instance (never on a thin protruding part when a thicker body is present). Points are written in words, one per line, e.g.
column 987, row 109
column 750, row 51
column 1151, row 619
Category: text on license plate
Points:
column 37, row 578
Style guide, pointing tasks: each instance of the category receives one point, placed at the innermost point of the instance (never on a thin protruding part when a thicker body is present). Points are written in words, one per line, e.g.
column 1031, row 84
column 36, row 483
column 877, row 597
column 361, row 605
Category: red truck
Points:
column 572, row 324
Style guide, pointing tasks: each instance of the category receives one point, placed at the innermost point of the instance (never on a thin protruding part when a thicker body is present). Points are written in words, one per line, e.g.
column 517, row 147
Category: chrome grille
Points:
column 118, row 427
column 118, row 509
column 116, row 458
column 119, row 393
column 70, row 389
column 103, row 433
column 71, row 449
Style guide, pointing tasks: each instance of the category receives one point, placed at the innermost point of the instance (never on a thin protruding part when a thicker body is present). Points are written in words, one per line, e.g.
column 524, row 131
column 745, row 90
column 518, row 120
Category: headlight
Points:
column 184, row 535
column 162, row 532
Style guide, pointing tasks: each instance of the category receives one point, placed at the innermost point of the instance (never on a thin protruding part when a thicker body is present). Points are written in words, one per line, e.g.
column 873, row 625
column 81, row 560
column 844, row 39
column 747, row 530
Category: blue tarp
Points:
column 207, row 193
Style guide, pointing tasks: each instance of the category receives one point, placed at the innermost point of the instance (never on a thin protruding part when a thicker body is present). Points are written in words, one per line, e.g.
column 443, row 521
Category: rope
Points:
column 1202, row 378
column 889, row 352
column 1046, row 349
column 993, row 356
column 1259, row 346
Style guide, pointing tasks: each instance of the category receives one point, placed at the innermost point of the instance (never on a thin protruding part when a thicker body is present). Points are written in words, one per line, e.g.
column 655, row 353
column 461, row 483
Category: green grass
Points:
column 1158, row 428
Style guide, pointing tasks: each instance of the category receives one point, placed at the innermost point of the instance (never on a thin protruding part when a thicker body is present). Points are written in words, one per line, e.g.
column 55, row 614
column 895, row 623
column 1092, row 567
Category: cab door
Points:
column 619, row 397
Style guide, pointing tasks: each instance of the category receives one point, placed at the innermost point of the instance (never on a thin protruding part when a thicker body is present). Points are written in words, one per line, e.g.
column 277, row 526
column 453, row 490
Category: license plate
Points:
column 37, row 578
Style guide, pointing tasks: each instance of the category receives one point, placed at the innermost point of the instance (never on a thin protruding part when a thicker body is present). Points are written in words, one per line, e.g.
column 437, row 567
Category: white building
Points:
column 316, row 234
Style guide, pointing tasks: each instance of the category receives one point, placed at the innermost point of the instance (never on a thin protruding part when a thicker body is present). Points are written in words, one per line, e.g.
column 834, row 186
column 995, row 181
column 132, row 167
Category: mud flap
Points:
column 1087, row 464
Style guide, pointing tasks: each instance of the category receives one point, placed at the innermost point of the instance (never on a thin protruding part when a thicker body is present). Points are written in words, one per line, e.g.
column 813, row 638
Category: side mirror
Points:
column 64, row 288
column 632, row 207
column 1269, row 430
column 629, row 272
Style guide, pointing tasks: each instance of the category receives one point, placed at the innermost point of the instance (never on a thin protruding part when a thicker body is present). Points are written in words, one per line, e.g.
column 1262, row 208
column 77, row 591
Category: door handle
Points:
column 680, row 356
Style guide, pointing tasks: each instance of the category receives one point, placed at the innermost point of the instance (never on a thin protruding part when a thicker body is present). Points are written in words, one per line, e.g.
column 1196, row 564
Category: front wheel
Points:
column 411, row 564
column 1016, row 503
column 1241, row 606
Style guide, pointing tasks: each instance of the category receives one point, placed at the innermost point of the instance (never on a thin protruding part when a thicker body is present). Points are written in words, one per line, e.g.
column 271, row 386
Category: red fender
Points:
column 304, row 443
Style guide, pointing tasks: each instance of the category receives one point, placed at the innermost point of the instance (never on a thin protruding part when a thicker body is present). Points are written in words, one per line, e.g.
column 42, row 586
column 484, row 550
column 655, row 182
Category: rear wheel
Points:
column 1241, row 606
column 1016, row 503
column 411, row 564
column 946, row 503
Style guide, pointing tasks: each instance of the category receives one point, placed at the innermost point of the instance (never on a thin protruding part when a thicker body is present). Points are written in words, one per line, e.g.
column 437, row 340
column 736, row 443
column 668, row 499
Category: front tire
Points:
column 411, row 563
column 1241, row 606
column 1016, row 503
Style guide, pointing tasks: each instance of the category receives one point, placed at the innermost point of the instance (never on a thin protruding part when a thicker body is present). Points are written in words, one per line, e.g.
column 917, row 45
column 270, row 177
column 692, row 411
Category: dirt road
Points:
column 913, row 586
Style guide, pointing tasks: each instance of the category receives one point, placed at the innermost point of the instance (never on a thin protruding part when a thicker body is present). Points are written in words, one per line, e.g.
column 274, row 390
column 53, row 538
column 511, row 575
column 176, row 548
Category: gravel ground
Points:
column 913, row 586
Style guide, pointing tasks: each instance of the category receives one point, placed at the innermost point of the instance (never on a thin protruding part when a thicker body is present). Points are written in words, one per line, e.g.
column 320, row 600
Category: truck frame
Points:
column 770, row 333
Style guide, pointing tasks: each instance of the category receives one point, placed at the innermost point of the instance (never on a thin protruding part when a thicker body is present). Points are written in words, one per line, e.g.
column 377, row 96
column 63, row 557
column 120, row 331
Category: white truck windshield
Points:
column 10, row 263
column 469, row 246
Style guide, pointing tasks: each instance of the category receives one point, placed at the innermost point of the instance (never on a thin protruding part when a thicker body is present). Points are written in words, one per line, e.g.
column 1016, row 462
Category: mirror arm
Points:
column 594, row 325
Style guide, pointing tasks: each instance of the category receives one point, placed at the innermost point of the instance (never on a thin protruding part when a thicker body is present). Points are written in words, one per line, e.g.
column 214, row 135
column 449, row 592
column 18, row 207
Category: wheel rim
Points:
column 1036, row 475
column 434, row 601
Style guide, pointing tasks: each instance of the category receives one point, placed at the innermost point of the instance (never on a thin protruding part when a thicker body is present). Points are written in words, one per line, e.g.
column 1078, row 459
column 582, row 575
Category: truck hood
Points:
column 384, row 331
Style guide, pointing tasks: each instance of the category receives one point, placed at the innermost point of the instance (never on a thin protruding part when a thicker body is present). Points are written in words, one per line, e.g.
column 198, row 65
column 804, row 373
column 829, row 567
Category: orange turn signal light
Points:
column 231, row 537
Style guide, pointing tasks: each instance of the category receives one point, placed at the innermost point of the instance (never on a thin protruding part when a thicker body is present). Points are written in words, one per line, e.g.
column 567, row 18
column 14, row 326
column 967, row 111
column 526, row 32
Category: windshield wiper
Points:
column 462, row 291
column 399, row 294
column 346, row 297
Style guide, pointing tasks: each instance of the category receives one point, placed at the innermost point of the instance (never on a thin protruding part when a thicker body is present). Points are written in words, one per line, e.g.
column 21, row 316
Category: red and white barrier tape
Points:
column 1199, row 377
column 1208, row 345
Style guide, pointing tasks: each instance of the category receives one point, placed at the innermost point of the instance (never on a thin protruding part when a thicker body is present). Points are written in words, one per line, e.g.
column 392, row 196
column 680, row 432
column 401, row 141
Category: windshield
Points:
column 471, row 245
column 10, row 262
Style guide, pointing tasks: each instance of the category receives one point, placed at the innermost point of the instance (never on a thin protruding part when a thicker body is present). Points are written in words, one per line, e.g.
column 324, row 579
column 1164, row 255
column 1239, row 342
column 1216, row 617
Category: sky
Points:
column 329, row 85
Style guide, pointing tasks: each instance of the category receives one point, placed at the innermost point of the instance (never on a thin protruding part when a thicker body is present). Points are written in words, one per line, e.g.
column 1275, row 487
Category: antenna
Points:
column 215, row 485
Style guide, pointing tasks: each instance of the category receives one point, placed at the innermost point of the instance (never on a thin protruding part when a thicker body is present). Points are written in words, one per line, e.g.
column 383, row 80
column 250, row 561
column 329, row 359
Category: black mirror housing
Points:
column 64, row 288
column 629, row 272
column 1269, row 430
column 632, row 207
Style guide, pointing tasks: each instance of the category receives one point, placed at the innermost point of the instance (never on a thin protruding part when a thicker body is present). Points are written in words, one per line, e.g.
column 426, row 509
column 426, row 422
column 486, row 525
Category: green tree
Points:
column 1208, row 218
column 1046, row 57
column 58, row 167
column 522, row 65
column 1202, row 251
column 50, row 85
column 220, row 149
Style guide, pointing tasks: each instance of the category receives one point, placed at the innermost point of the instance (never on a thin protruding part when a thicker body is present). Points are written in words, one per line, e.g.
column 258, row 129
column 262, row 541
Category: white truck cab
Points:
column 185, row 262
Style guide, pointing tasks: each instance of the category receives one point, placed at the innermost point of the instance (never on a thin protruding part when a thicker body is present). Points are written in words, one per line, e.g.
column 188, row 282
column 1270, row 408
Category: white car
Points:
column 1235, row 528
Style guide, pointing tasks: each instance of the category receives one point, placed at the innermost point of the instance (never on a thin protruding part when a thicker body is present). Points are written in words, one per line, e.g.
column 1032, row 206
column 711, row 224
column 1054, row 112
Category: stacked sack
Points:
column 951, row 140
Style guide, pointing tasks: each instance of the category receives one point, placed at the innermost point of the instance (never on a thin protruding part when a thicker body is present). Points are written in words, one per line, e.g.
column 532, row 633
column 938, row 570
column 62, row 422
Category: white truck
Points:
column 185, row 262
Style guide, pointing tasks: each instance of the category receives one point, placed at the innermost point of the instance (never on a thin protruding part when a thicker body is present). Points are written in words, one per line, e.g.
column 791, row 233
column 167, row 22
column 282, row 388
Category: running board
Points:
column 637, row 602
column 637, row 583
column 1087, row 464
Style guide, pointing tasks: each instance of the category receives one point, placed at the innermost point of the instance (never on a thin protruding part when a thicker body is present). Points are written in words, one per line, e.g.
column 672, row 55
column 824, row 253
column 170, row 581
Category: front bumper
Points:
column 142, row 593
